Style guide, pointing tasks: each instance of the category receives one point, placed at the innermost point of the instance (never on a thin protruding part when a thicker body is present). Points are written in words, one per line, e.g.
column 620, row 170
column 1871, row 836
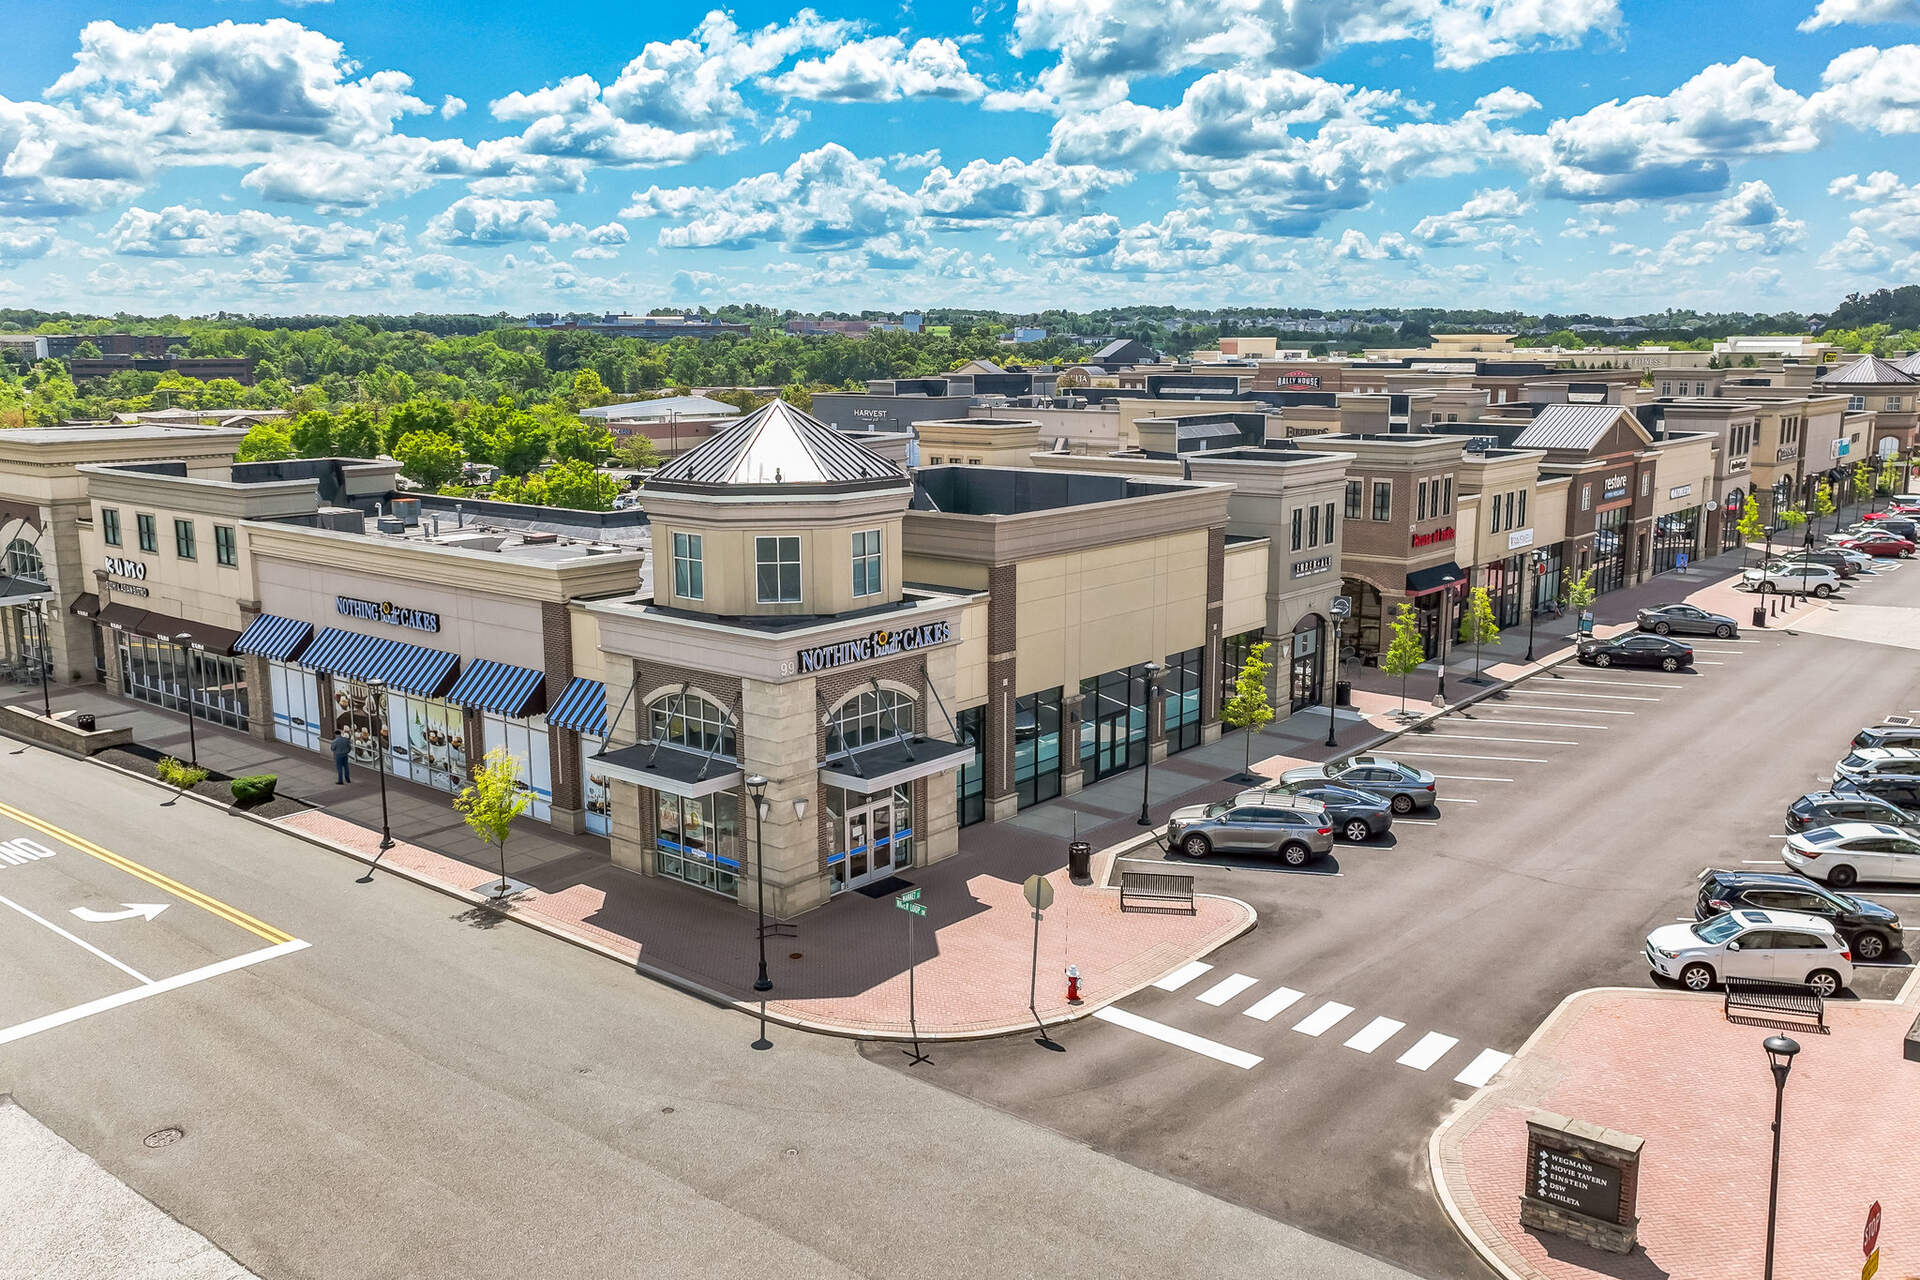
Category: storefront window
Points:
column 1036, row 746
column 598, row 793
column 164, row 674
column 1233, row 656
column 879, row 715
column 23, row 561
column 297, row 715
column 1305, row 672
column 692, row 722
column 970, row 781
column 1113, row 722
column 427, row 740
column 872, row 835
column 698, row 841
column 23, row 631
column 1180, row 689
column 1610, row 550
column 1675, row 535
column 526, row 741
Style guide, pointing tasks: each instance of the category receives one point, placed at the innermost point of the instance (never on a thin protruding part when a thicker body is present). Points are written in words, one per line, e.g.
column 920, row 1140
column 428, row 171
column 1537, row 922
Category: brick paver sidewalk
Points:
column 1667, row 1067
column 845, row 971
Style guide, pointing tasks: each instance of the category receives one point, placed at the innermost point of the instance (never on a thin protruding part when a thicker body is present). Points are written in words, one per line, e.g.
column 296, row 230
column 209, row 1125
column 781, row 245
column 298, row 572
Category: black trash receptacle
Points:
column 1343, row 693
column 83, row 722
column 1080, row 860
column 1759, row 615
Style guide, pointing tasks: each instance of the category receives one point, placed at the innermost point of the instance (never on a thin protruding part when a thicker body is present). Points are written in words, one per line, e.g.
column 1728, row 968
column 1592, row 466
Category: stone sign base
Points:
column 1614, row 1237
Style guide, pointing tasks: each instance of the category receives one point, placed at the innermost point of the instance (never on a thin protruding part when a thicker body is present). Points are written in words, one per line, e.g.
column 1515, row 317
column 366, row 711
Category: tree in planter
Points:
column 1823, row 500
column 1249, row 708
column 1750, row 529
column 1862, row 482
column 179, row 775
column 1478, row 626
column 1578, row 595
column 1405, row 654
column 491, row 802
column 1888, row 480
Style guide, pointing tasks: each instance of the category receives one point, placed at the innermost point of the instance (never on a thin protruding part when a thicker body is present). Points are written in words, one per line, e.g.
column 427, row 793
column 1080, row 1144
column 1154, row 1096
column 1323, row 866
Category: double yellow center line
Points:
column 231, row 915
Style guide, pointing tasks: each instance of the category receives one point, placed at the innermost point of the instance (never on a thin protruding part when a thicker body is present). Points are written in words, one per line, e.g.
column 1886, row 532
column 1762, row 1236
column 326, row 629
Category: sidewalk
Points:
column 1666, row 1066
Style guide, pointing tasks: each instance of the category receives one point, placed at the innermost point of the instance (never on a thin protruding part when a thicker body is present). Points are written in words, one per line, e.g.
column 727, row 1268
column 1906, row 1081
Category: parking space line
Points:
column 1539, row 742
column 1374, row 1034
column 1629, row 684
column 1322, row 1020
column 1483, row 1068
column 1569, row 693
column 1226, row 989
column 129, row 970
column 1182, row 1039
column 1550, row 724
column 1702, row 662
column 1566, row 711
column 1183, row 975
column 1735, row 652
column 1271, row 1005
column 1467, row 777
column 1453, row 800
column 131, row 994
column 1426, row 1051
column 1455, row 755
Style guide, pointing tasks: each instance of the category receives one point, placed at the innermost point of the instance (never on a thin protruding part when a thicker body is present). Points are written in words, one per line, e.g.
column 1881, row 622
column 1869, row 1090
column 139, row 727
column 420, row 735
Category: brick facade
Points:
column 1210, row 673
column 563, row 745
column 1002, row 602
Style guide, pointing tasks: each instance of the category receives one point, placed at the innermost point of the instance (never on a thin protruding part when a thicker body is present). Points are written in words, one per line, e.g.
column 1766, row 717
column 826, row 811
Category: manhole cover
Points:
column 164, row 1137
column 793, row 955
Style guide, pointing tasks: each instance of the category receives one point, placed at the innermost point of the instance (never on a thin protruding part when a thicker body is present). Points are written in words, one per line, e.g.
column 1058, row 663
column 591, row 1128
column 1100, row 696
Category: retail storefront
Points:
column 1306, row 670
column 1113, row 722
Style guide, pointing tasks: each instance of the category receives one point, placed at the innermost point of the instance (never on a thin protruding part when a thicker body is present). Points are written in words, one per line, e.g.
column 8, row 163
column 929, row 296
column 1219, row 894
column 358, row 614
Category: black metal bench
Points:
column 1156, row 887
column 1753, row 1002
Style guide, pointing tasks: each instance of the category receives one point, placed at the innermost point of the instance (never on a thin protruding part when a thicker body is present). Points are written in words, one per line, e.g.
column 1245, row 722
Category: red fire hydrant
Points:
column 1073, row 984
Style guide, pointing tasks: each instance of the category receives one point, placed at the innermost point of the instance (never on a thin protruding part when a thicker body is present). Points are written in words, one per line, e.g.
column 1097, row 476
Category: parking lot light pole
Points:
column 1149, row 670
column 757, row 789
column 1333, row 694
column 1780, row 1051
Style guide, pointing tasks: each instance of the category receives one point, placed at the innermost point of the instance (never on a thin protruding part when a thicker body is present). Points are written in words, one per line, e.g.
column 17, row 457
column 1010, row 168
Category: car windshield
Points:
column 1716, row 930
column 1219, row 807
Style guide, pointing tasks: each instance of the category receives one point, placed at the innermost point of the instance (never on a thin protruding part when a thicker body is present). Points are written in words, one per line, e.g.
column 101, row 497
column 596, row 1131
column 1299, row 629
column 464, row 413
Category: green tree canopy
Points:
column 1406, row 652
column 312, row 434
column 265, row 442
column 576, row 440
column 1249, row 708
column 432, row 459
column 574, row 485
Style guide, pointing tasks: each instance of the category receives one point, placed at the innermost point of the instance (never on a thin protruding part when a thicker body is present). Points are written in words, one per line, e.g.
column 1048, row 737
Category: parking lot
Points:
column 1303, row 1069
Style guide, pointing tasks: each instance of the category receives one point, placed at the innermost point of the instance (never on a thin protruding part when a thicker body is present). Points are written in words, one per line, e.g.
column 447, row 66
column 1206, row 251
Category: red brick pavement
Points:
column 1668, row 1067
column 846, row 970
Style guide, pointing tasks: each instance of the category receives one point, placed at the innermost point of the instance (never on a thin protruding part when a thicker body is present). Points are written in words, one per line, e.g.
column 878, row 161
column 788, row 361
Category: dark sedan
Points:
column 1825, row 808
column 1356, row 815
column 1638, row 650
column 1870, row 929
column 1685, row 620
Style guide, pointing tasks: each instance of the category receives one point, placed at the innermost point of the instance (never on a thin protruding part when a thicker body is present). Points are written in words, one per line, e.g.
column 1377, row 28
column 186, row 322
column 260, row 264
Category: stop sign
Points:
column 1871, row 1237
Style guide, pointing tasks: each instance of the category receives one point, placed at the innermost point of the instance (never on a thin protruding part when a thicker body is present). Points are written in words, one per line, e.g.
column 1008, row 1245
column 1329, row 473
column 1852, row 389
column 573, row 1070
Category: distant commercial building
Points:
column 61, row 346
column 653, row 328
column 673, row 423
column 811, row 327
column 30, row 346
column 204, row 368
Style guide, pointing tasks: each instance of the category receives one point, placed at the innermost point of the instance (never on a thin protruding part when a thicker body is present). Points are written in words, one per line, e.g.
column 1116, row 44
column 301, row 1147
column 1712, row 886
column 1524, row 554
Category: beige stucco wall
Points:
column 1245, row 584
column 970, row 657
column 826, row 566
column 197, row 590
column 1090, row 612
column 1689, row 466
column 472, row 624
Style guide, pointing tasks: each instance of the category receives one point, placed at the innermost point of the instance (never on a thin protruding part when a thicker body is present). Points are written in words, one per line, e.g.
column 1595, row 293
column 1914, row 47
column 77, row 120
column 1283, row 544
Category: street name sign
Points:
column 911, row 895
column 911, row 908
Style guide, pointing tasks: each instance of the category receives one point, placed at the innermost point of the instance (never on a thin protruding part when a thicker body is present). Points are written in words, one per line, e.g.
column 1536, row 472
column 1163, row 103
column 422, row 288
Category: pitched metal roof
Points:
column 1867, row 371
column 1910, row 365
column 1570, row 426
column 778, row 445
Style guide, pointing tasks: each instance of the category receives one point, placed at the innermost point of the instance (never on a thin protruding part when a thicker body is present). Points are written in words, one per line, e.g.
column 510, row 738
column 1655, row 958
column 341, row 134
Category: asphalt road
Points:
column 1578, row 809
column 375, row 1082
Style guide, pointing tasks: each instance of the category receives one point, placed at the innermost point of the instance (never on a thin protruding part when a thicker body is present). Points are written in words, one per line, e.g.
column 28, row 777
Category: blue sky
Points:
column 1550, row 155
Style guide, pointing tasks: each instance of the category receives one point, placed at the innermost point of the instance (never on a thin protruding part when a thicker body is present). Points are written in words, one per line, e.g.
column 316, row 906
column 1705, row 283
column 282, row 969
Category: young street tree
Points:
column 179, row 775
column 491, row 802
column 1249, row 707
column 1478, row 626
column 1750, row 528
column 1823, row 500
column 1405, row 654
column 1578, row 596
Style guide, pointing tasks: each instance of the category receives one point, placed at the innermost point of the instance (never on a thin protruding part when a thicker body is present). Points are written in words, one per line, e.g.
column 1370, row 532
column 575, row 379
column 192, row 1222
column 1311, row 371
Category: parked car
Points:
column 1792, row 579
column 1899, row 526
column 1636, row 649
column 1860, row 560
column 1685, row 620
column 1888, row 735
column 1400, row 785
column 1852, row 851
column 1885, row 545
column 1826, row 808
column 1295, row 828
column 1834, row 557
column 1868, row 762
column 1356, row 815
column 1773, row 946
column 1899, row 790
column 1871, row 930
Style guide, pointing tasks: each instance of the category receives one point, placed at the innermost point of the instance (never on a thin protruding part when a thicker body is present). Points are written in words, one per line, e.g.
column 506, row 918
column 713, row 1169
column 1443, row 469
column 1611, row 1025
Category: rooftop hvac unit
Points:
column 342, row 519
column 408, row 510
column 391, row 524
column 539, row 538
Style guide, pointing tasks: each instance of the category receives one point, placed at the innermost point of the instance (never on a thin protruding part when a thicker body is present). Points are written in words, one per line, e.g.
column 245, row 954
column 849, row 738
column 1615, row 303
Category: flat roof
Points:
column 102, row 433
column 1007, row 491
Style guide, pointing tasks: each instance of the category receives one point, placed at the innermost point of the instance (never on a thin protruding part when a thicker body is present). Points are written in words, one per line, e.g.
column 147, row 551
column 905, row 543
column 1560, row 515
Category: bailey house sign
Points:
column 388, row 612
column 881, row 644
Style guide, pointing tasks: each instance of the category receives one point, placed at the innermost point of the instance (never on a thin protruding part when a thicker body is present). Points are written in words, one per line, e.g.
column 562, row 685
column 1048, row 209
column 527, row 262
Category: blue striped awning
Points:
column 496, row 687
column 272, row 636
column 581, row 706
column 407, row 668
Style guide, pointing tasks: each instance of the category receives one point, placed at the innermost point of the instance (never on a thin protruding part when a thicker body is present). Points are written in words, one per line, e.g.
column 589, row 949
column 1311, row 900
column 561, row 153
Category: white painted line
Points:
column 1467, row 777
column 1226, row 989
column 1455, row 800
column 1760, row 862
column 1271, row 1005
column 1630, row 684
column 1565, row 711
column 1733, row 652
column 1550, row 724
column 129, row 970
column 1321, row 1020
column 1701, row 662
column 1181, row 1039
column 1454, row 755
column 1429, row 1049
column 22, row 1030
column 1374, row 1034
column 1183, row 975
column 1483, row 1068
column 1610, row 697
column 1776, row 837
column 1538, row 742
column 1415, row 822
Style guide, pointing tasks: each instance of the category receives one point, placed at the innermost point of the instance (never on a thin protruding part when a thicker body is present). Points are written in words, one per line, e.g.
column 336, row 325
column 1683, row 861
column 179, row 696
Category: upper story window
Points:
column 875, row 716
column 225, row 550
column 1299, row 520
column 1586, row 496
column 23, row 561
column 1382, row 500
column 689, row 572
column 1523, row 510
column 149, row 538
column 692, row 722
column 1856, row 402
column 183, row 539
column 1329, row 523
column 1893, row 403
column 1313, row 525
column 1446, row 497
column 776, row 567
column 1420, row 501
column 1493, row 516
column 110, row 525
column 1354, row 490
column 866, row 563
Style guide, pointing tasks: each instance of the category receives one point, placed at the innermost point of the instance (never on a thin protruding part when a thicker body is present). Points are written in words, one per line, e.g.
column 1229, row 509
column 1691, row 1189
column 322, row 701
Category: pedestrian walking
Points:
column 342, row 748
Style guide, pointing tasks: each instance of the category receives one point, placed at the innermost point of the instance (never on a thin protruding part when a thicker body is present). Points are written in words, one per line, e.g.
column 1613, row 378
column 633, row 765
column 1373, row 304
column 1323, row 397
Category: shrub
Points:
column 179, row 775
column 254, row 789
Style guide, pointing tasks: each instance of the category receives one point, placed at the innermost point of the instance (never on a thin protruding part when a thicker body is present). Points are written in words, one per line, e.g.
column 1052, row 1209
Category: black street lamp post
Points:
column 1333, row 694
column 1149, row 671
column 379, row 688
column 757, row 789
column 1538, row 568
column 186, row 658
column 1780, row 1051
column 46, row 660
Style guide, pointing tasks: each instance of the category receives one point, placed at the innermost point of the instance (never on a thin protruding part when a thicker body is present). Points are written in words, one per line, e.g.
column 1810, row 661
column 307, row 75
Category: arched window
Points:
column 692, row 722
column 867, row 718
column 23, row 561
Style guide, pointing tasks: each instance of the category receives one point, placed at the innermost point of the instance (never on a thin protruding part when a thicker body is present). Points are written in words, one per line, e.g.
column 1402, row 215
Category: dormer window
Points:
column 866, row 563
column 776, row 566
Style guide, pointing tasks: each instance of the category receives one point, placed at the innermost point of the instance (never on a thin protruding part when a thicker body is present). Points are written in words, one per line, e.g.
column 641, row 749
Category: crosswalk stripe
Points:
column 1483, row 1068
column 1374, row 1034
column 1226, row 989
column 1174, row 1036
column 1272, row 1004
column 1322, row 1020
column 1182, row 976
column 1426, row 1051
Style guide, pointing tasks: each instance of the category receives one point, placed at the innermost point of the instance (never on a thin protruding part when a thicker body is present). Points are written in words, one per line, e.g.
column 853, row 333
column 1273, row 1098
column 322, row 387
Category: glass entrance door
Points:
column 878, row 839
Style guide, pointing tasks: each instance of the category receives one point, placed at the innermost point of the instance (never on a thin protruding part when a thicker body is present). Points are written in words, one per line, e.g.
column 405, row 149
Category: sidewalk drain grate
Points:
column 164, row 1137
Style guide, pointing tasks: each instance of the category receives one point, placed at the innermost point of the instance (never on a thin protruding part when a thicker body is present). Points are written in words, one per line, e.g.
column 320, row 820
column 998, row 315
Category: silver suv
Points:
column 1296, row 828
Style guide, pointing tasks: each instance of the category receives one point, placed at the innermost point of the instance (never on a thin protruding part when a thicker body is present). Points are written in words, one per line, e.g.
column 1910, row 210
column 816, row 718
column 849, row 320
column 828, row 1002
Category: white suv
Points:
column 1792, row 578
column 1773, row 946
column 1873, row 762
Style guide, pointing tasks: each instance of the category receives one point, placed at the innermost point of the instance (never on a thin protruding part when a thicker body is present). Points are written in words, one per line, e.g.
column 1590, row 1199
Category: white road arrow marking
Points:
column 147, row 909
